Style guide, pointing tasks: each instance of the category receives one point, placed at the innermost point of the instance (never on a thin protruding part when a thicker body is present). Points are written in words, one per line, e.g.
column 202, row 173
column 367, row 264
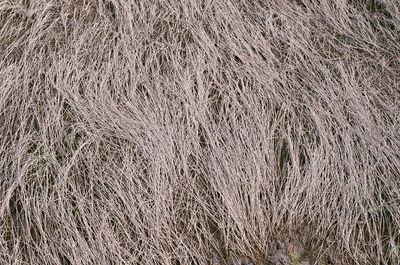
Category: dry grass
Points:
column 199, row 132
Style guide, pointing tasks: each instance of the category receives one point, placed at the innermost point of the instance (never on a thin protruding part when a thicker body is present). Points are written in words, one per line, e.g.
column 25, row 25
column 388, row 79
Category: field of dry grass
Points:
column 199, row 132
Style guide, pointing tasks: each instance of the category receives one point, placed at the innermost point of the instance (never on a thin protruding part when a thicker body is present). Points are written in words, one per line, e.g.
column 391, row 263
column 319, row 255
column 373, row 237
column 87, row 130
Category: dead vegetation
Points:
column 199, row 132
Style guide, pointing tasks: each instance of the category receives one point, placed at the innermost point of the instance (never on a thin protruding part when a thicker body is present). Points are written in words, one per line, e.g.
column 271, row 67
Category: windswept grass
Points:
column 199, row 132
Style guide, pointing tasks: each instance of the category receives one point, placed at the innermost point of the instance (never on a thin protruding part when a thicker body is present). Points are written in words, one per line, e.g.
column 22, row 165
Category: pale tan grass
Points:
column 199, row 132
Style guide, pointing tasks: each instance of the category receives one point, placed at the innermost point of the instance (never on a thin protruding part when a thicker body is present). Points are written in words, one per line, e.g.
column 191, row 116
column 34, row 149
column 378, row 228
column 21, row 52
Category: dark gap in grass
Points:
column 26, row 3
column 237, row 59
column 374, row 6
column 32, row 148
column 303, row 159
column 378, row 8
column 143, row 91
column 283, row 161
column 64, row 260
column 110, row 6
column 35, row 233
column 186, row 39
column 202, row 134
column 17, row 211
column 67, row 112
column 301, row 4
column 215, row 98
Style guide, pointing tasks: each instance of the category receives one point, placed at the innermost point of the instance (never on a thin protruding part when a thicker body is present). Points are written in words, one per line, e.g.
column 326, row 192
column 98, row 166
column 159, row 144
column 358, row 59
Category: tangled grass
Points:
column 199, row 132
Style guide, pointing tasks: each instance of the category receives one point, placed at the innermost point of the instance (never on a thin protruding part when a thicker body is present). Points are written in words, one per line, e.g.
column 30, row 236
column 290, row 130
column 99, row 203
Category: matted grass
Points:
column 199, row 132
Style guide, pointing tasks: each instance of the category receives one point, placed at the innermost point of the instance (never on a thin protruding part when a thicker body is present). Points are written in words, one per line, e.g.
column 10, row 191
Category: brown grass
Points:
column 199, row 132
